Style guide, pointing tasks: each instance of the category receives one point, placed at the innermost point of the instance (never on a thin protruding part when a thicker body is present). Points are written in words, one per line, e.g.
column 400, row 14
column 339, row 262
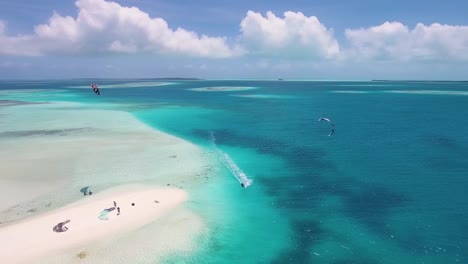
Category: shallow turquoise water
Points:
column 388, row 187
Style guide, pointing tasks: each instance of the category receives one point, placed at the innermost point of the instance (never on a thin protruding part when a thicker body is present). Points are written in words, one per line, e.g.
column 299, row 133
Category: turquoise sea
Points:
column 390, row 186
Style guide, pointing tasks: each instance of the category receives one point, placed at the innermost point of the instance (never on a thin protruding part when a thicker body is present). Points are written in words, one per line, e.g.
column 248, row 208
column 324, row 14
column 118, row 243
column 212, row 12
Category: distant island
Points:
column 145, row 79
column 415, row 81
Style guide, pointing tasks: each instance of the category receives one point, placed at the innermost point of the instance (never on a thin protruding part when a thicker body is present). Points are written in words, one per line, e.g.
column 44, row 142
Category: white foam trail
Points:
column 230, row 164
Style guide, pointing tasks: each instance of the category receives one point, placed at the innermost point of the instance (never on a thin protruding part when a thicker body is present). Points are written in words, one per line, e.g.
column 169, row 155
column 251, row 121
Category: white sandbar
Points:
column 34, row 238
column 50, row 151
column 222, row 89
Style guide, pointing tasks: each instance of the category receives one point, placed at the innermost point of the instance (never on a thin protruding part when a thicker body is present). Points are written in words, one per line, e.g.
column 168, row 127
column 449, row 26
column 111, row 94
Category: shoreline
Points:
column 36, row 236
column 97, row 155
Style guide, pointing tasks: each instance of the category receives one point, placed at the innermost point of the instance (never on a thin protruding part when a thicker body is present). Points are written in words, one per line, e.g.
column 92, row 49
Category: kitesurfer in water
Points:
column 243, row 185
column 95, row 88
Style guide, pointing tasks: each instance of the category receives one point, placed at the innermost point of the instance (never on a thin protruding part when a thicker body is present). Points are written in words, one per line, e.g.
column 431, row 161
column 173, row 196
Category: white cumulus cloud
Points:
column 395, row 41
column 295, row 35
column 104, row 26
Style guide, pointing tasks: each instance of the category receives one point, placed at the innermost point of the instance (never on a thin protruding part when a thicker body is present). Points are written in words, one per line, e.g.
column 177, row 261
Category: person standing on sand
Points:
column 118, row 210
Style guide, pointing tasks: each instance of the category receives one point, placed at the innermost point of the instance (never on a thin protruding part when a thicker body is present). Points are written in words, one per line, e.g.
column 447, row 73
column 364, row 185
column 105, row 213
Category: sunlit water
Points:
column 388, row 187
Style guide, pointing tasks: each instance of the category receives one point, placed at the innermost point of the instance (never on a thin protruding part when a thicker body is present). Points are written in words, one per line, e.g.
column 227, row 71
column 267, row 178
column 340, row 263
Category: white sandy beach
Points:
column 33, row 238
column 47, row 157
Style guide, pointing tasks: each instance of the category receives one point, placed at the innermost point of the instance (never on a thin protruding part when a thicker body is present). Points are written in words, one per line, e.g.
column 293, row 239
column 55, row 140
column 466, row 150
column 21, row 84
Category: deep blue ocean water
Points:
column 390, row 186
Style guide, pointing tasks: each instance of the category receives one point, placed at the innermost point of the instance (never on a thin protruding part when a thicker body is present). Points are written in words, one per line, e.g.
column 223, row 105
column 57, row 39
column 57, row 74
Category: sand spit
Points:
column 33, row 238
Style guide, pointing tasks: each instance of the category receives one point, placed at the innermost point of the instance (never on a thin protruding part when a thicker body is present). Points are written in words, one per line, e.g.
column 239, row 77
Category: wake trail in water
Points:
column 229, row 163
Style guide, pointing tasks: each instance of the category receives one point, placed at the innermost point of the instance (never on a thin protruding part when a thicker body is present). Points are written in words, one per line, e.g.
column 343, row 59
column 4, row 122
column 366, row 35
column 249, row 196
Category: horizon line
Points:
column 234, row 79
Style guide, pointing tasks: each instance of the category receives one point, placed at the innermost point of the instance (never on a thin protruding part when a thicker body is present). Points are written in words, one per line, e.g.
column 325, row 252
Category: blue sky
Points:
column 234, row 39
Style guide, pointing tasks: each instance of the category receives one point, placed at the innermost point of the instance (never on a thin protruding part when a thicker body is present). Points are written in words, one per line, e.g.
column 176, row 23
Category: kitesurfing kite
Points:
column 95, row 88
column 331, row 123
column 60, row 227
